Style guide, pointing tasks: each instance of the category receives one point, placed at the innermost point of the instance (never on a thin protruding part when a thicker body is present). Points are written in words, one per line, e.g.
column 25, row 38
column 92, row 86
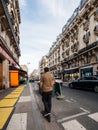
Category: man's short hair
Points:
column 46, row 69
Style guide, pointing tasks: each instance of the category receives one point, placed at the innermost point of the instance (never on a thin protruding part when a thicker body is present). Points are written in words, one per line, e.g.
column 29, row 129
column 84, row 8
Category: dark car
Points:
column 90, row 82
column 31, row 80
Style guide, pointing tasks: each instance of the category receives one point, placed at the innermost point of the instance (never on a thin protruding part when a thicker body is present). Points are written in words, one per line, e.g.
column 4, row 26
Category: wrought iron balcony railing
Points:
column 10, row 23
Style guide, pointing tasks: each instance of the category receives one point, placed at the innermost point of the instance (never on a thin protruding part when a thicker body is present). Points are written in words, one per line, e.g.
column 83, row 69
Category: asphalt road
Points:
column 78, row 110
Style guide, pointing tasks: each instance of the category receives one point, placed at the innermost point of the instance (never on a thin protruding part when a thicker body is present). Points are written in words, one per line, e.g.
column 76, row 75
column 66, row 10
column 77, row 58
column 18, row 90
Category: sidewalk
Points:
column 20, row 109
column 8, row 99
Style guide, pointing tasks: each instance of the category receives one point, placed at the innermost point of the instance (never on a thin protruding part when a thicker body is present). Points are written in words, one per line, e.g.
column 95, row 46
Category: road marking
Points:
column 18, row 122
column 84, row 110
column 74, row 116
column 94, row 116
column 4, row 115
column 38, row 123
column 68, row 101
column 34, row 104
column 25, row 99
column 70, row 117
column 73, row 100
column 73, row 125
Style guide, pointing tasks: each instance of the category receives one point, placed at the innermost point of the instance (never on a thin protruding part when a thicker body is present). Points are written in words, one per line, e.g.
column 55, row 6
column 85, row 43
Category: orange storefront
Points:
column 14, row 79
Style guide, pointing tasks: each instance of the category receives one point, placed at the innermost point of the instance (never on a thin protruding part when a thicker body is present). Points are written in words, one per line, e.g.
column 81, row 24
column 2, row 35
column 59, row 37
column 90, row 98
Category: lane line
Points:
column 70, row 117
column 73, row 125
column 37, row 120
column 73, row 100
column 74, row 116
column 84, row 110
column 68, row 101
column 18, row 122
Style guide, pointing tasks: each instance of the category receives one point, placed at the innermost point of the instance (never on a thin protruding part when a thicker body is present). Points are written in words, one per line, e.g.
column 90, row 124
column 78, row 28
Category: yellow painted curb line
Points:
column 7, row 102
column 4, row 115
column 12, row 96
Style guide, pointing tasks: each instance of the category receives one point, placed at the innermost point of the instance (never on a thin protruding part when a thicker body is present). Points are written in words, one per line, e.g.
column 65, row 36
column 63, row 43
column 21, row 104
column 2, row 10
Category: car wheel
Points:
column 96, row 89
column 71, row 86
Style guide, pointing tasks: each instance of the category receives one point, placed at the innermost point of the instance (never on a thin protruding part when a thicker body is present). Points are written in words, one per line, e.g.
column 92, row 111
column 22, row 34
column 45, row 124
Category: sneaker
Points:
column 48, row 118
column 46, row 114
column 42, row 112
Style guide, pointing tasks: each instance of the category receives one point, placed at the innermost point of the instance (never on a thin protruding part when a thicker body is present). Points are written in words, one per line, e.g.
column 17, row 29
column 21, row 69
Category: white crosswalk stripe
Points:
column 18, row 122
column 94, row 116
column 73, row 125
column 24, row 99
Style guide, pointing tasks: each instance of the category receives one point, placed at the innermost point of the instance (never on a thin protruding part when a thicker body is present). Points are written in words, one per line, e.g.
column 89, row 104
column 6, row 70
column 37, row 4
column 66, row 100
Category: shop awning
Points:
column 70, row 71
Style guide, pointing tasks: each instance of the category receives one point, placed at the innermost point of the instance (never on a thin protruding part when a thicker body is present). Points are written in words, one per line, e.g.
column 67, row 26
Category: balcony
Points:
column 86, row 25
column 96, row 15
column 7, row 21
column 96, row 30
column 86, row 37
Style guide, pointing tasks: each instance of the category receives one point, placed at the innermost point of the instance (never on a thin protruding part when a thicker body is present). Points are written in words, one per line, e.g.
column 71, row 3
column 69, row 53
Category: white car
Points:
column 58, row 80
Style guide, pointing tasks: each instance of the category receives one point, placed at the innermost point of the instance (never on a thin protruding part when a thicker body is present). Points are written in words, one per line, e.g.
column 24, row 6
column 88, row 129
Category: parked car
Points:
column 58, row 80
column 90, row 82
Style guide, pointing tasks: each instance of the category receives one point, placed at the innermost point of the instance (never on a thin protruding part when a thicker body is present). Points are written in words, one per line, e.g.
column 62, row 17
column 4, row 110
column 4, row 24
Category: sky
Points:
column 41, row 22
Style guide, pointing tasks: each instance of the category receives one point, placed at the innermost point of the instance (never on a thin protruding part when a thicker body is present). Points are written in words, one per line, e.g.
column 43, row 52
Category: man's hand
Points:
column 40, row 85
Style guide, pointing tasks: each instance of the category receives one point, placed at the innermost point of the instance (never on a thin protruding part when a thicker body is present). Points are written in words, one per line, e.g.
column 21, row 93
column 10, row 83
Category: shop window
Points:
column 88, row 71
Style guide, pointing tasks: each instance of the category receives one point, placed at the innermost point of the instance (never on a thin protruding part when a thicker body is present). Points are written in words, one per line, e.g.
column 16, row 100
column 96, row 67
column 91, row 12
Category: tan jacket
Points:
column 47, row 81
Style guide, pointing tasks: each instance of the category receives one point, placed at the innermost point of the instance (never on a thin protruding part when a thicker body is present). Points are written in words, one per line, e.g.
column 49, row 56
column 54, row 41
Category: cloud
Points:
column 22, row 3
column 42, row 22
column 55, row 7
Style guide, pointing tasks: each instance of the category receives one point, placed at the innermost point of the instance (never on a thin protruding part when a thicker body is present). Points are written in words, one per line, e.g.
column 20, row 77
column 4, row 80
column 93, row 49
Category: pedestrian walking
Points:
column 46, row 84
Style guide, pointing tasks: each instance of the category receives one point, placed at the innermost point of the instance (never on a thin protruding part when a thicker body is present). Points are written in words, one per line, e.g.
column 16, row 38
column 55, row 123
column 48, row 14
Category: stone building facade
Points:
column 9, row 39
column 43, row 63
column 75, row 52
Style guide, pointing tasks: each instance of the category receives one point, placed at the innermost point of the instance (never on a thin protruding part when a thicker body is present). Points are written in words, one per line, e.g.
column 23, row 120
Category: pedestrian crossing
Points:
column 76, row 125
column 94, row 116
column 18, row 122
column 73, row 125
